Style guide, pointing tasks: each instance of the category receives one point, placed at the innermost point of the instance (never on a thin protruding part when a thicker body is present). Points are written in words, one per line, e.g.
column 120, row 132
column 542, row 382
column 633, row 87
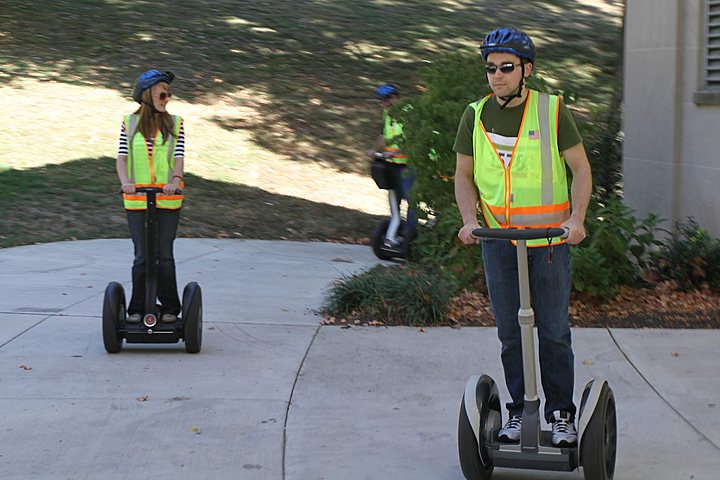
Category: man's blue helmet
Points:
column 508, row 40
column 387, row 90
column 148, row 79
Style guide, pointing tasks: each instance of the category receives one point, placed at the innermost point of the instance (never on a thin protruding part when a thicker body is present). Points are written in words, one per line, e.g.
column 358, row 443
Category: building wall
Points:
column 671, row 157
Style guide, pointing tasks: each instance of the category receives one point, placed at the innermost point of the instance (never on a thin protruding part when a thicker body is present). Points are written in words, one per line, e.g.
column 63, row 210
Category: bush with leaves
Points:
column 396, row 295
column 617, row 249
column 689, row 256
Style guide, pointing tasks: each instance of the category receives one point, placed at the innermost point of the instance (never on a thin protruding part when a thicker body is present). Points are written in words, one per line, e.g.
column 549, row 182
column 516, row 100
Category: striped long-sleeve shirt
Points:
column 179, row 145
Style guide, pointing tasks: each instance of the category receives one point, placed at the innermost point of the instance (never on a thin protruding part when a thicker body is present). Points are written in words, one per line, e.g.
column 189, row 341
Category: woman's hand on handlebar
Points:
column 465, row 233
column 128, row 188
column 171, row 188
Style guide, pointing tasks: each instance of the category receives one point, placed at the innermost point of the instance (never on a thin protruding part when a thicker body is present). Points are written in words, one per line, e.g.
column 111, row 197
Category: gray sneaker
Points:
column 510, row 433
column 563, row 430
column 134, row 318
column 168, row 318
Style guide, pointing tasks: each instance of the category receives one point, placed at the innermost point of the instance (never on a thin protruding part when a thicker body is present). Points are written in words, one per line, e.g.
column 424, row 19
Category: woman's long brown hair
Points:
column 150, row 122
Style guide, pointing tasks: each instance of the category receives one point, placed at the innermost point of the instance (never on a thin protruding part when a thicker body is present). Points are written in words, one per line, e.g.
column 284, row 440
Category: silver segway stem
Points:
column 526, row 318
column 530, row 434
column 395, row 218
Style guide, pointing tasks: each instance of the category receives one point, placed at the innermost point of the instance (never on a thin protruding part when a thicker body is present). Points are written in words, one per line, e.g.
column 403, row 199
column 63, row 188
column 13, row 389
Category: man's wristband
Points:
column 178, row 176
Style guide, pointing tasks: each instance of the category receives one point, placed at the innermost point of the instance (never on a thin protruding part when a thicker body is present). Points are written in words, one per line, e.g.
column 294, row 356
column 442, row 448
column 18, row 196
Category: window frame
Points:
column 709, row 94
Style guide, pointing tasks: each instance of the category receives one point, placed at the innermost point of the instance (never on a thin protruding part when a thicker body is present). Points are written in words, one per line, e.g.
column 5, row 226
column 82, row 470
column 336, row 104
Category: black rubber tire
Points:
column 192, row 317
column 599, row 442
column 473, row 466
column 113, row 314
column 377, row 238
column 407, row 246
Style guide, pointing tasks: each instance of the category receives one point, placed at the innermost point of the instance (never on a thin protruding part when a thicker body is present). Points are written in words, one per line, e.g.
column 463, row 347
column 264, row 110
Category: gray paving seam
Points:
column 219, row 322
column 43, row 320
column 292, row 392
column 185, row 259
column 24, row 331
column 660, row 395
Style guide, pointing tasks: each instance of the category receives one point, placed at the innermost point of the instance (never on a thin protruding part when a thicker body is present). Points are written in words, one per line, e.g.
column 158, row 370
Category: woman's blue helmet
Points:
column 387, row 90
column 148, row 79
column 508, row 40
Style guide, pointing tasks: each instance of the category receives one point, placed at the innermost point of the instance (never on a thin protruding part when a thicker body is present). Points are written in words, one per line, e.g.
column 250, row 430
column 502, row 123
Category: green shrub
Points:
column 393, row 295
column 617, row 249
column 689, row 256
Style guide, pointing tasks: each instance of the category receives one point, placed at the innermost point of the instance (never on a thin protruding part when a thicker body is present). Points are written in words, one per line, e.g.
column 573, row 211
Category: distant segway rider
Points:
column 152, row 153
column 512, row 149
column 387, row 142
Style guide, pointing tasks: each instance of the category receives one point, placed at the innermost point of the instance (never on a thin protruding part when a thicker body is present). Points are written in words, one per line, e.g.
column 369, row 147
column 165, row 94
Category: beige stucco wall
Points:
column 672, row 146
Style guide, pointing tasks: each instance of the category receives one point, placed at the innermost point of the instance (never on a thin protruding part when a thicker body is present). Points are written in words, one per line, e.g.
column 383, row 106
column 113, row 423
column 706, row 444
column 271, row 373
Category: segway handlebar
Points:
column 178, row 191
column 520, row 233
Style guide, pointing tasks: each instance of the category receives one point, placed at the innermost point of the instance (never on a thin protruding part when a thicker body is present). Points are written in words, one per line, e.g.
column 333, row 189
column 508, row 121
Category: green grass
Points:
column 271, row 91
column 79, row 200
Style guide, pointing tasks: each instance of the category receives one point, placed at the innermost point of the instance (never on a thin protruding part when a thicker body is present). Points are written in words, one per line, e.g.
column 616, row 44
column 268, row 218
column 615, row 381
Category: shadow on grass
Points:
column 79, row 200
column 315, row 61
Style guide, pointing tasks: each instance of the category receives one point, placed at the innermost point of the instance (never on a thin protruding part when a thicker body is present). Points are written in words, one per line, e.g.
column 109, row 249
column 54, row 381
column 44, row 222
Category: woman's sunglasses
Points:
column 164, row 95
column 504, row 68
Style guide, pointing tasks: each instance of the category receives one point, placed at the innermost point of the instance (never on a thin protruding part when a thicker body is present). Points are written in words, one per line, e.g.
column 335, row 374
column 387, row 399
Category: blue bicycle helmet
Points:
column 148, row 79
column 387, row 90
column 508, row 40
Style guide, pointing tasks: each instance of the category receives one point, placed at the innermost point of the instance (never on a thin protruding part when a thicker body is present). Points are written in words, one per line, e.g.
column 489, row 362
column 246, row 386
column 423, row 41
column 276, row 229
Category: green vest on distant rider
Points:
column 532, row 190
column 154, row 169
column 391, row 131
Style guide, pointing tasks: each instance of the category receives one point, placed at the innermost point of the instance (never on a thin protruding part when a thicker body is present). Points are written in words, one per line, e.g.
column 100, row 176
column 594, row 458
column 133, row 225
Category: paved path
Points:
column 273, row 395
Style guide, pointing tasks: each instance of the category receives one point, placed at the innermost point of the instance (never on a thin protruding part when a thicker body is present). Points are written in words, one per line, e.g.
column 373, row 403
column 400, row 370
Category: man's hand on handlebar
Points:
column 465, row 233
column 128, row 188
column 576, row 231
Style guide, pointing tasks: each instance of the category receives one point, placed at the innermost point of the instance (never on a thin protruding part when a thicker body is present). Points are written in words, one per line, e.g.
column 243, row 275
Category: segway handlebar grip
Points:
column 521, row 233
column 178, row 191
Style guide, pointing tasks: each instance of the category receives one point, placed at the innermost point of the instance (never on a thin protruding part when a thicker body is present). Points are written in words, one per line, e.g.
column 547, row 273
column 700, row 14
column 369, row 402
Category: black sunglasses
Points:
column 164, row 95
column 504, row 68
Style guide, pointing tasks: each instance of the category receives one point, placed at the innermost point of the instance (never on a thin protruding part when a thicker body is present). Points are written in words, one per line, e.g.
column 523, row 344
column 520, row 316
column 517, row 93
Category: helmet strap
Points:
column 517, row 94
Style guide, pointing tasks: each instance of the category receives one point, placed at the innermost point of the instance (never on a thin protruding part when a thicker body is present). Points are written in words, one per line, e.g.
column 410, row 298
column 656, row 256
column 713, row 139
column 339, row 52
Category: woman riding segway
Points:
column 150, row 165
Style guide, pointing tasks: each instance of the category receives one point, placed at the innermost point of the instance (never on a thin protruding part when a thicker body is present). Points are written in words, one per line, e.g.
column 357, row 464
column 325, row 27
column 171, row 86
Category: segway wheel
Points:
column 377, row 238
column 407, row 250
column 599, row 442
column 113, row 315
column 192, row 317
column 475, row 459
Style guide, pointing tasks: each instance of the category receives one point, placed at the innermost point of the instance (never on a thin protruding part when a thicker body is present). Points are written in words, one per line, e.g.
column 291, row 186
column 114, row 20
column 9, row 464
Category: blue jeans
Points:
column 550, row 285
column 166, row 223
column 403, row 179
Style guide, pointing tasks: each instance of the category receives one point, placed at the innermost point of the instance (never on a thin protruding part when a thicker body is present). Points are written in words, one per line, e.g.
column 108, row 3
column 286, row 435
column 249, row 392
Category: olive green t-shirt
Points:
column 506, row 122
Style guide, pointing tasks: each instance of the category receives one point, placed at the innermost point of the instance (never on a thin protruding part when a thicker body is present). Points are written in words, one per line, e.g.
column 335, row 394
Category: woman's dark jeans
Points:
column 550, row 284
column 166, row 223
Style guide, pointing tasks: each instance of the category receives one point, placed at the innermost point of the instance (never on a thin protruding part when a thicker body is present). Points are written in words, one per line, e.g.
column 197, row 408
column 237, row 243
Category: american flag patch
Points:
column 534, row 134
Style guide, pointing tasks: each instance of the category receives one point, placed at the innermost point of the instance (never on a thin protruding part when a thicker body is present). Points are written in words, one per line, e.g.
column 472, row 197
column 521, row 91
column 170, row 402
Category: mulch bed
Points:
column 664, row 306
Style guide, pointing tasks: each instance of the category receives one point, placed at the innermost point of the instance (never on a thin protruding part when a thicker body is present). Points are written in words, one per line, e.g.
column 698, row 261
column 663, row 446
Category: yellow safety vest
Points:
column 146, row 170
column 531, row 191
column 392, row 130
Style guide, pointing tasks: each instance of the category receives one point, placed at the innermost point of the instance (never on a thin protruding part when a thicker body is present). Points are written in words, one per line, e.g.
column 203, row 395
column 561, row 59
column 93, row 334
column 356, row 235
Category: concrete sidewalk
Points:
column 273, row 395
